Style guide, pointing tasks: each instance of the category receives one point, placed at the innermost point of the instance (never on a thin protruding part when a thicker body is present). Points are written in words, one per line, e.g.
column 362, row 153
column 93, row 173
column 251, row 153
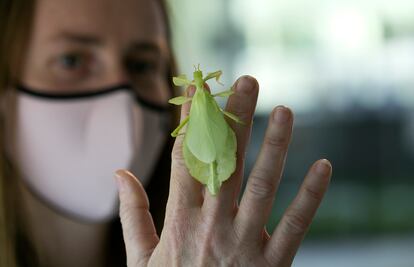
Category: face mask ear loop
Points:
column 150, row 105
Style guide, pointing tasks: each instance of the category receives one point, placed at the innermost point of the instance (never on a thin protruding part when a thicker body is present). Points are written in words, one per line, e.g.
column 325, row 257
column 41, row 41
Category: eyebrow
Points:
column 93, row 40
column 80, row 38
column 150, row 47
column 146, row 46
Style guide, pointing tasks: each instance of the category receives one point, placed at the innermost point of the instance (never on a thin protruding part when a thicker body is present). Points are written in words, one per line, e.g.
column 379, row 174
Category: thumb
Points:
column 138, row 228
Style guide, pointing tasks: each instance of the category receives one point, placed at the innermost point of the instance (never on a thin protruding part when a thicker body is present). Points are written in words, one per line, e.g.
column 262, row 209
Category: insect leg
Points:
column 175, row 133
column 224, row 93
column 232, row 116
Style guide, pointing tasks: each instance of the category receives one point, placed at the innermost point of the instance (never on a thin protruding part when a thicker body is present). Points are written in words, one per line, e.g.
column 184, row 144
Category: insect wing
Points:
column 207, row 129
column 225, row 165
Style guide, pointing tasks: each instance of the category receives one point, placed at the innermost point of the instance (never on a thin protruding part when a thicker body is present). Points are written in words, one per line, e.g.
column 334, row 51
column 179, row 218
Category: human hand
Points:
column 205, row 230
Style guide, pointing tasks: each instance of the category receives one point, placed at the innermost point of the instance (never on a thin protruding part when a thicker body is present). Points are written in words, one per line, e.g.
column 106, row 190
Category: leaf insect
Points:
column 209, row 145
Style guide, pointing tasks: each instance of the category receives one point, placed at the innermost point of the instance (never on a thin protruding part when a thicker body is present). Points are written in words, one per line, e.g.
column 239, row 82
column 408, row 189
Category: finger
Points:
column 242, row 104
column 265, row 177
column 184, row 190
column 138, row 227
column 285, row 240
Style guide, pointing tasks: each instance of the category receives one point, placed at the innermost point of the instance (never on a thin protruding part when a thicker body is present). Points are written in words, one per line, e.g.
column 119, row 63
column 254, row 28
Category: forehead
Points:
column 120, row 20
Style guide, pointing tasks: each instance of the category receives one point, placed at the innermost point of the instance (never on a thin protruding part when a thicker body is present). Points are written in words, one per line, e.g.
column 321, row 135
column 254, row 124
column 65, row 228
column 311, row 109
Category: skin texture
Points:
column 76, row 45
column 202, row 230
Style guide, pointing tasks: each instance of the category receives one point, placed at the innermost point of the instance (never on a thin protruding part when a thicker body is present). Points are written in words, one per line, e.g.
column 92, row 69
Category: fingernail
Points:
column 191, row 91
column 246, row 84
column 323, row 167
column 120, row 180
column 281, row 114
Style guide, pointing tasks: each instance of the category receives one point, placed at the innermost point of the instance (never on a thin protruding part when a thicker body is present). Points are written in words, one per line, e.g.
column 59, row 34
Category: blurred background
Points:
column 346, row 69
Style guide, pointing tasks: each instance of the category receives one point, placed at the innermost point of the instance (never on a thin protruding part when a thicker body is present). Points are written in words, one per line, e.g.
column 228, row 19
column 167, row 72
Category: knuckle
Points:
column 276, row 141
column 242, row 112
column 260, row 185
column 314, row 194
column 177, row 151
column 179, row 227
column 137, row 261
column 295, row 224
column 127, row 214
column 124, row 211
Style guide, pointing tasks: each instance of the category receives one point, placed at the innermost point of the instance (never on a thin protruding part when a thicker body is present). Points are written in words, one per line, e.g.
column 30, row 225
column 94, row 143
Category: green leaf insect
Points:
column 209, row 146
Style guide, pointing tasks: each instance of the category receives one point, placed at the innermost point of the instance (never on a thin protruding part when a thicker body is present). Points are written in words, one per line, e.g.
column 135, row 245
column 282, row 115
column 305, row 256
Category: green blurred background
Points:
column 346, row 68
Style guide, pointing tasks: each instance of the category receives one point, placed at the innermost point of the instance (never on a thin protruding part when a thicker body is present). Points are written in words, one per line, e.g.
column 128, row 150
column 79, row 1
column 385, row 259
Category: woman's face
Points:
column 79, row 45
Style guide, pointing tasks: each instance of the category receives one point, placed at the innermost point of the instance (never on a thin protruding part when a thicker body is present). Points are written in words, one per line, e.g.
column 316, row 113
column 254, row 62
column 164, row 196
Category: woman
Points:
column 85, row 86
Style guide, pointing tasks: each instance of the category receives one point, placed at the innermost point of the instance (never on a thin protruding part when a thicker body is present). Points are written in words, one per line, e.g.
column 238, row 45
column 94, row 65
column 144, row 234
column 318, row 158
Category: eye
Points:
column 73, row 66
column 72, row 61
column 139, row 66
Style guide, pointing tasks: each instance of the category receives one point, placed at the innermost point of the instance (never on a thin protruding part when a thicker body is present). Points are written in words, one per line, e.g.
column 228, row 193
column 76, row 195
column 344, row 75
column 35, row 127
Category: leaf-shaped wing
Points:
column 207, row 129
column 214, row 174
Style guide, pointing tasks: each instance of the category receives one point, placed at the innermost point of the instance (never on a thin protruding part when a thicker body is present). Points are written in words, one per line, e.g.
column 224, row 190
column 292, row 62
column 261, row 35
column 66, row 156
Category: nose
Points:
column 117, row 73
